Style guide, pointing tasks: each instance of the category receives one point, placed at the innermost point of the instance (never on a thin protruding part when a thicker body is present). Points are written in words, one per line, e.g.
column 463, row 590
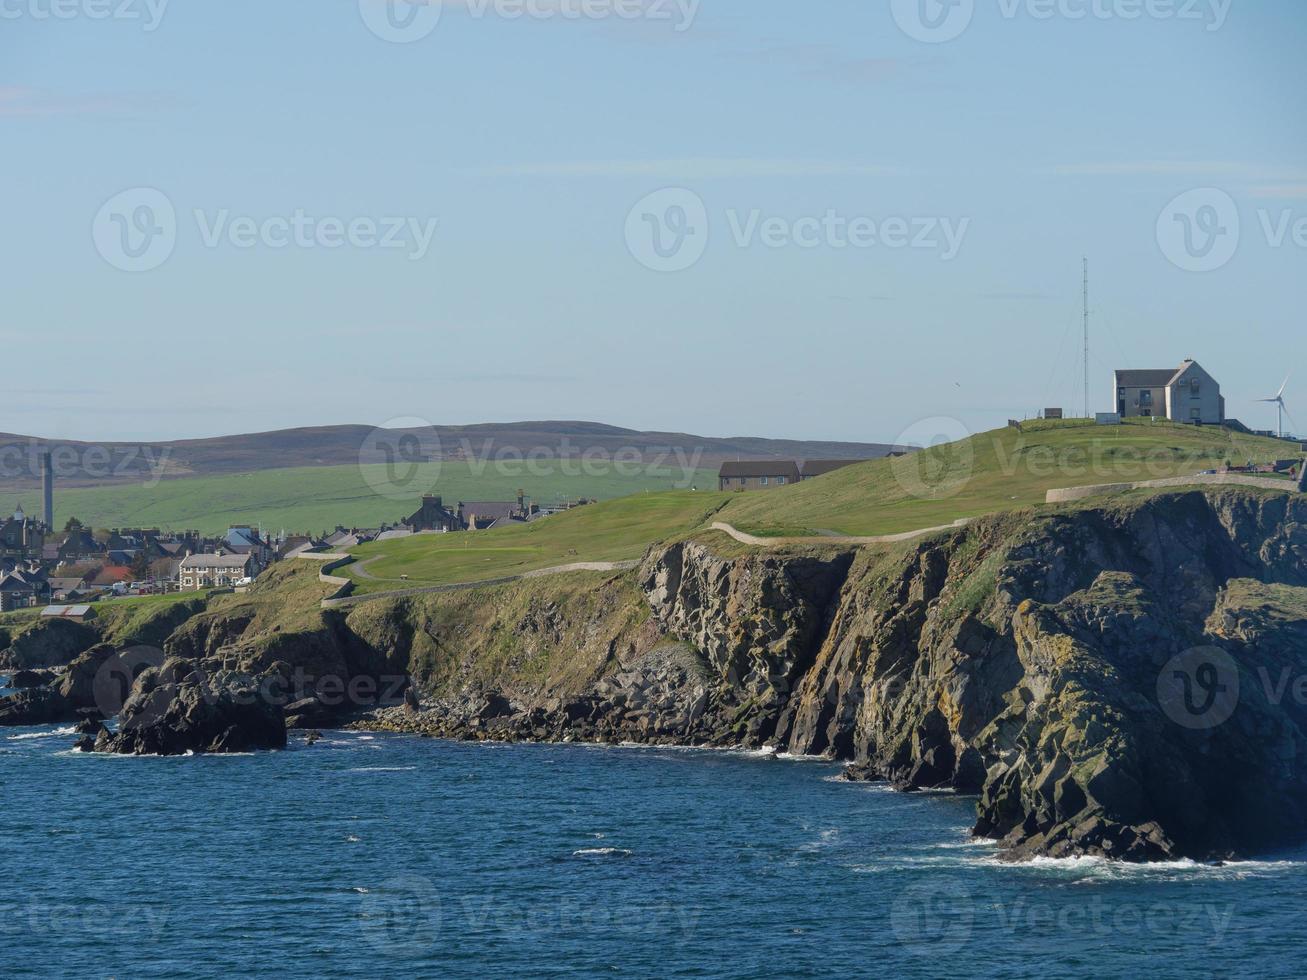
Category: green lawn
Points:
column 615, row 530
column 996, row 471
column 315, row 499
column 999, row 470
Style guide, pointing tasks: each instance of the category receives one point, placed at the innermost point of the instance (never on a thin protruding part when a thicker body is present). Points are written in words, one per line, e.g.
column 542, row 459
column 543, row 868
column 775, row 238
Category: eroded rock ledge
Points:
column 1018, row 659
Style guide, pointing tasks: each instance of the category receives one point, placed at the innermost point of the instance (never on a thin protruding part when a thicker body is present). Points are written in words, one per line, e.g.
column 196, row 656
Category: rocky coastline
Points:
column 1071, row 669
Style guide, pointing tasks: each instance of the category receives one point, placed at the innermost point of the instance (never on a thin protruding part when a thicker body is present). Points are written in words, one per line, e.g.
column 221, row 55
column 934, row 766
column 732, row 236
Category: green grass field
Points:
column 314, row 499
column 617, row 530
column 999, row 470
column 996, row 471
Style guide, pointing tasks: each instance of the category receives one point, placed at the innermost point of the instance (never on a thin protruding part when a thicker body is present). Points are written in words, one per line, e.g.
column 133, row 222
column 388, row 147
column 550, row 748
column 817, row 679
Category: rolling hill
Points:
column 1003, row 470
column 99, row 463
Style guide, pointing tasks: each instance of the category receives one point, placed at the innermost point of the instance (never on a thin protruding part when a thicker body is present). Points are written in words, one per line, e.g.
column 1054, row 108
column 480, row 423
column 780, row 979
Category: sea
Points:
column 378, row 855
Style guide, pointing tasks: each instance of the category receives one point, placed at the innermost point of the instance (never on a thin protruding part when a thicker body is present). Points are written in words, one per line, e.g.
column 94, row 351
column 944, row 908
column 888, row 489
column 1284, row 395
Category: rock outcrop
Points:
column 179, row 708
column 1030, row 660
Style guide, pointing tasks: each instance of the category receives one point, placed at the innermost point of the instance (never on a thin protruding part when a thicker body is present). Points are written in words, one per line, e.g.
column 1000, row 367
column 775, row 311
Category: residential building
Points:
column 22, row 537
column 214, row 571
column 22, row 588
column 811, row 468
column 484, row 515
column 764, row 475
column 433, row 515
column 1186, row 394
column 241, row 539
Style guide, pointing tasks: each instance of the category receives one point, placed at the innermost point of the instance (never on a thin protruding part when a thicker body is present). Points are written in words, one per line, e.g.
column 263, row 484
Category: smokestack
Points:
column 47, row 480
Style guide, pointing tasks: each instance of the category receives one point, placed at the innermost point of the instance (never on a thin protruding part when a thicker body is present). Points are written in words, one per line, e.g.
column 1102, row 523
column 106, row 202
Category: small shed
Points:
column 78, row 614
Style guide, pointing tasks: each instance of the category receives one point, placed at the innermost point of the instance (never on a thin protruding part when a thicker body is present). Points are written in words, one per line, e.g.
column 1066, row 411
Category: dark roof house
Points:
column 755, row 475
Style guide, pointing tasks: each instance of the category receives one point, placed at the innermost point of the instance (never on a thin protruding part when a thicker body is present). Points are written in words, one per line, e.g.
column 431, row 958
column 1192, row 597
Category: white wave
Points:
column 58, row 732
column 360, row 891
column 351, row 839
column 792, row 757
column 602, row 852
column 382, row 769
column 1091, row 868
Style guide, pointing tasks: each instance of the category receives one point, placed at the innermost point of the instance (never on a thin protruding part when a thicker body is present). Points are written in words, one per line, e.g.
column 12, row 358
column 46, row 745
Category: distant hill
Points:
column 82, row 464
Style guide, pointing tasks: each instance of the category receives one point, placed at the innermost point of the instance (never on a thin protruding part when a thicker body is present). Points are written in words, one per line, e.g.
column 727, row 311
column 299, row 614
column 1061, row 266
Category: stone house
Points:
column 214, row 571
column 1187, row 394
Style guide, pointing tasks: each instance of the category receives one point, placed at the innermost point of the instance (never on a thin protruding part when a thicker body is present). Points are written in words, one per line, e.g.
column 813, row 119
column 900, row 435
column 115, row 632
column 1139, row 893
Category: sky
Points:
column 837, row 219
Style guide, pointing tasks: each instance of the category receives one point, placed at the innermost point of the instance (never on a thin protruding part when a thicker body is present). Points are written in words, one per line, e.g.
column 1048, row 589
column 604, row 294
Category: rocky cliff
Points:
column 1125, row 679
column 1072, row 669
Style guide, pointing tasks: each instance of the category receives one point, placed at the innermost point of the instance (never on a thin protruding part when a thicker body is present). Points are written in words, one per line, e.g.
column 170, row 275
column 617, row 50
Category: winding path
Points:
column 342, row 598
column 758, row 542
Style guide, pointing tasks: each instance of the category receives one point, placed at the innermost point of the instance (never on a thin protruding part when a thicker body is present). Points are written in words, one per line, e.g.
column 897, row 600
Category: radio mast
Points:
column 1087, row 412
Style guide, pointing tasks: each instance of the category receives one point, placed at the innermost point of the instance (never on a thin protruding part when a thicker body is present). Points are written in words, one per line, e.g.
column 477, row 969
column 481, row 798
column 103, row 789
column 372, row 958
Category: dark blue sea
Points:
column 387, row 856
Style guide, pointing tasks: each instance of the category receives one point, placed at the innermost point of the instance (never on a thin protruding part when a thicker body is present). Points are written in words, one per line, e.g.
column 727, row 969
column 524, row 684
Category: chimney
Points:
column 47, row 479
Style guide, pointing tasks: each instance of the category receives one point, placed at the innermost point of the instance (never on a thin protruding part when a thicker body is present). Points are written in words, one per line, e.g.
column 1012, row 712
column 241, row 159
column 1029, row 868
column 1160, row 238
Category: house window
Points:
column 1195, row 413
column 763, row 481
column 1146, row 397
column 780, row 480
column 1196, row 388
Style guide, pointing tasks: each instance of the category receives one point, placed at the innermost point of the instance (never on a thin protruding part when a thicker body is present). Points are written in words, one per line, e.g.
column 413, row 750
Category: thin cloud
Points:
column 20, row 101
column 1177, row 168
column 1280, row 192
column 691, row 168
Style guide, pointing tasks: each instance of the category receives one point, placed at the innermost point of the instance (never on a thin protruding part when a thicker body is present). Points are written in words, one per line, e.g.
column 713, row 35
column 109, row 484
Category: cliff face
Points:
column 1126, row 680
column 1064, row 669
column 1099, row 678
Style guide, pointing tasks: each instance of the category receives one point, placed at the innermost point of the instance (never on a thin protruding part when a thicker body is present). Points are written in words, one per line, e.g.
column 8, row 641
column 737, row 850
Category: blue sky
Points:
column 528, row 141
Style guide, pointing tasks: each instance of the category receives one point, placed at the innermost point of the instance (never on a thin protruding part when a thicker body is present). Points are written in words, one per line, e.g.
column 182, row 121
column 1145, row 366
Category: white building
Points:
column 214, row 571
column 1185, row 394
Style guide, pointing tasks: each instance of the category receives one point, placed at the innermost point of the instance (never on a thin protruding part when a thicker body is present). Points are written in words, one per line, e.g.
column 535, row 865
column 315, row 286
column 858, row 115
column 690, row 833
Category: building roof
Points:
column 777, row 467
column 1149, row 378
column 490, row 508
column 215, row 561
column 820, row 467
column 66, row 612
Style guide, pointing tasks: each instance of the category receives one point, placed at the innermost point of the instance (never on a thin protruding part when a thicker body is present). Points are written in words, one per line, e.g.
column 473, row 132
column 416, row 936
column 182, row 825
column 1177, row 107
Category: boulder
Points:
column 179, row 708
column 308, row 713
column 35, row 706
column 22, row 679
column 79, row 682
column 50, row 643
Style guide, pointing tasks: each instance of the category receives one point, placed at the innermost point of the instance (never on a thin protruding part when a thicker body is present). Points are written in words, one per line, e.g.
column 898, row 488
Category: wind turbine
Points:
column 1280, row 410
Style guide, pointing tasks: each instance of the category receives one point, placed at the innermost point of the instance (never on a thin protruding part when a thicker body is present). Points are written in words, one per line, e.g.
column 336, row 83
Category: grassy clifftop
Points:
column 990, row 472
column 993, row 472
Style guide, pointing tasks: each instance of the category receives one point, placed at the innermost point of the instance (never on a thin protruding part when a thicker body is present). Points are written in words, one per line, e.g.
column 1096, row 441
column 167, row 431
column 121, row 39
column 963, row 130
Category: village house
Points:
column 1187, row 394
column 757, row 475
column 485, row 515
column 22, row 588
column 22, row 537
column 214, row 571
column 433, row 515
column 811, row 468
